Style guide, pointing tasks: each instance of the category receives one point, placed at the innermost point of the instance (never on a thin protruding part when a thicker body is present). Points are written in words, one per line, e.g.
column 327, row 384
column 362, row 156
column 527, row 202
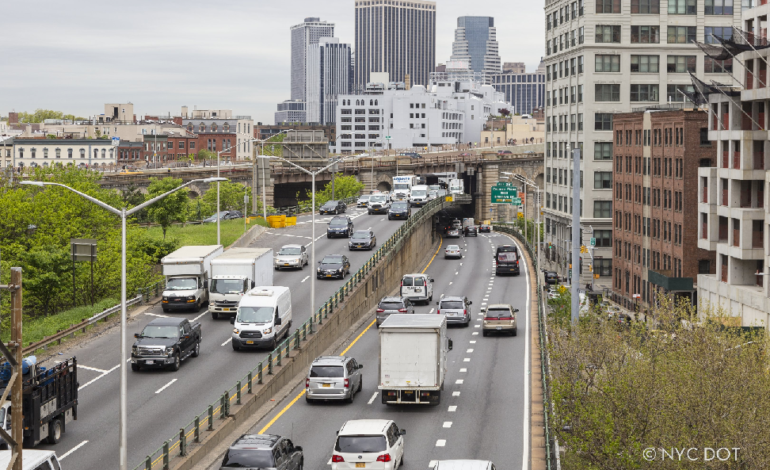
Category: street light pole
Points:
column 123, row 214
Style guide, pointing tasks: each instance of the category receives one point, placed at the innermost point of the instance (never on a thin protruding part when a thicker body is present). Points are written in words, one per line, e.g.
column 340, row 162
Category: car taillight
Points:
column 384, row 458
column 379, row 310
column 465, row 312
column 402, row 310
column 438, row 311
column 347, row 383
column 402, row 283
column 307, row 383
column 337, row 458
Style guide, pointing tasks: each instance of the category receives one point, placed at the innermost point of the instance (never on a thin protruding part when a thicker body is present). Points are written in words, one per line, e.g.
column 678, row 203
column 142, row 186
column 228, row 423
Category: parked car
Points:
column 263, row 451
column 362, row 240
column 223, row 215
column 457, row 309
column 499, row 318
column 333, row 378
column 368, row 443
column 453, row 251
column 399, row 210
column 333, row 266
column 340, row 226
column 291, row 256
column 505, row 152
column 378, row 204
column 363, row 201
column 417, row 288
column 333, row 207
column 471, row 230
column 166, row 342
column 391, row 305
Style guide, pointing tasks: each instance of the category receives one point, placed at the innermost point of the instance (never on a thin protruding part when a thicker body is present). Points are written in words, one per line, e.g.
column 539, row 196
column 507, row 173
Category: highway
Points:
column 160, row 401
column 484, row 409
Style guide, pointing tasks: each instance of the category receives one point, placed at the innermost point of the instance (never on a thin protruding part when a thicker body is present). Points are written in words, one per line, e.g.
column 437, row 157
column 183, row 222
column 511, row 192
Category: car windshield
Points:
column 338, row 223
column 498, row 313
column 452, row 304
column 248, row 458
column 419, row 193
column 327, row 371
column 160, row 331
column 391, row 305
column 377, row 199
column 361, row 236
column 332, row 260
column 182, row 284
column 331, row 204
column 399, row 206
column 453, row 247
column 254, row 314
column 221, row 214
column 226, row 286
column 363, row 198
column 290, row 251
column 361, row 444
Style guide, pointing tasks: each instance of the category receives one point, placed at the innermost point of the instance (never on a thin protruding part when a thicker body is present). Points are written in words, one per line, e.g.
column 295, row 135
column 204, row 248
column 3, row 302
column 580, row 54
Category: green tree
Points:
column 230, row 197
column 272, row 146
column 170, row 209
column 344, row 187
column 41, row 115
column 47, row 278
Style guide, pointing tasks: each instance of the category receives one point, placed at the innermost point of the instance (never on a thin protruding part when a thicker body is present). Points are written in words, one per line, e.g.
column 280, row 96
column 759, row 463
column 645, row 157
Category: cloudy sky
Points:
column 163, row 54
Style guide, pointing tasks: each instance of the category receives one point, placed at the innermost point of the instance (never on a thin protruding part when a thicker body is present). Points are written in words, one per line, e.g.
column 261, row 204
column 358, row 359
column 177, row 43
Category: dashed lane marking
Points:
column 371, row 400
column 165, row 386
column 66, row 454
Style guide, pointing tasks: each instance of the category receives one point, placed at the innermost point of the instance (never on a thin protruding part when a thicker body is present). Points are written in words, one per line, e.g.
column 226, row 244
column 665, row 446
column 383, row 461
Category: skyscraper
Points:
column 476, row 43
column 396, row 37
column 303, row 36
column 328, row 75
column 525, row 91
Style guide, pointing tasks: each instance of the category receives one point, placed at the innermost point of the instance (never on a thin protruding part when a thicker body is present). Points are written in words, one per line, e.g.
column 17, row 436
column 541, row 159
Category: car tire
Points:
column 214, row 315
column 328, row 236
column 236, row 347
column 135, row 367
column 361, row 384
column 483, row 333
column 177, row 362
column 55, row 431
column 197, row 351
column 165, row 310
column 515, row 331
column 308, row 400
column 336, row 211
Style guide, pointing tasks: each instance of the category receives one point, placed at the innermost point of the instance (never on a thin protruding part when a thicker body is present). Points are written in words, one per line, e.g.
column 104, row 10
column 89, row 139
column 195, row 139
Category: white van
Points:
column 417, row 288
column 263, row 317
column 463, row 465
column 32, row 460
column 418, row 196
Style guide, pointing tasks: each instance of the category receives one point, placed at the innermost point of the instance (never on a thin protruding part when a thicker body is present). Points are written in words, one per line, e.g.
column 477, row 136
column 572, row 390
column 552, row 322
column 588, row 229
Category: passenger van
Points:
column 32, row 460
column 263, row 317
column 417, row 288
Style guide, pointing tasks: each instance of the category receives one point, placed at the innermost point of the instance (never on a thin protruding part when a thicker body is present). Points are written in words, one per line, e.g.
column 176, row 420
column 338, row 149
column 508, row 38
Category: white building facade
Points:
column 91, row 153
column 328, row 76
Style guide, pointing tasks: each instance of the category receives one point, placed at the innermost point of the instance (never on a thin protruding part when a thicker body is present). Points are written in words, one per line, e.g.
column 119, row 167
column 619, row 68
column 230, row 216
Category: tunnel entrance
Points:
column 383, row 186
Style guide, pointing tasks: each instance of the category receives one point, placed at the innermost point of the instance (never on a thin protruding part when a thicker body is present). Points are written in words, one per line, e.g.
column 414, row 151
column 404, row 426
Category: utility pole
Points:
column 12, row 353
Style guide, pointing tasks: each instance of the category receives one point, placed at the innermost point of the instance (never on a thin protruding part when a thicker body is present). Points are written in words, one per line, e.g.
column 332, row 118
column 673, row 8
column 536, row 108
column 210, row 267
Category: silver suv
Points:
column 456, row 309
column 391, row 305
column 333, row 378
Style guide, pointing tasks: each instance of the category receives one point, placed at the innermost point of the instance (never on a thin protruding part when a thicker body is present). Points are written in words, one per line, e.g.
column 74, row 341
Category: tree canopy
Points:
column 41, row 115
column 172, row 208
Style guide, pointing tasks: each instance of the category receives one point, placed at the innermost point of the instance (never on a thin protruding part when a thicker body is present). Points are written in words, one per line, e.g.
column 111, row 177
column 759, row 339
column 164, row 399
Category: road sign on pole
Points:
column 115, row 141
column 593, row 241
column 504, row 193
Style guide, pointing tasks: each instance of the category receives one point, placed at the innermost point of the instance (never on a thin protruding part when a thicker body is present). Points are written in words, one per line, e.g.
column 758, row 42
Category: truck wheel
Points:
column 177, row 362
column 214, row 315
column 55, row 431
column 135, row 367
column 197, row 351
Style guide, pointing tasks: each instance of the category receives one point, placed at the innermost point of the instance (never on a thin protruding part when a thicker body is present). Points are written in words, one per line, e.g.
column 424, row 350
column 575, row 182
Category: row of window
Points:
column 563, row 149
column 565, row 13
column 567, row 95
column 666, row 137
column 566, row 40
column 602, row 209
column 562, row 176
column 666, row 167
column 57, row 153
column 671, row 200
column 575, row 123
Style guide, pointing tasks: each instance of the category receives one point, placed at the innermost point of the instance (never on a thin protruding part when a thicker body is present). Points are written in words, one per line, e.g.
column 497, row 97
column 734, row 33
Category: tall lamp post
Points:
column 123, row 214
column 531, row 183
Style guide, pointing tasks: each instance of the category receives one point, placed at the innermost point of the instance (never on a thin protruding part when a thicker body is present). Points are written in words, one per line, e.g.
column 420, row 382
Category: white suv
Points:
column 368, row 443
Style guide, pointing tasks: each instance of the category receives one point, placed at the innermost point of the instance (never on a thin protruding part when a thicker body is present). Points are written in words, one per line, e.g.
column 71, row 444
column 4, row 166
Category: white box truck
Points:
column 234, row 273
column 187, row 273
column 413, row 359
column 402, row 187
column 457, row 186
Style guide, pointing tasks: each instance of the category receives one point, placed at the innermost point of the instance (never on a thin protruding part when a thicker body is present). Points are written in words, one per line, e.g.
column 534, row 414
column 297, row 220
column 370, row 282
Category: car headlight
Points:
column 319, row 270
column 236, row 331
column 339, row 270
column 165, row 298
column 190, row 297
column 133, row 349
column 169, row 351
column 267, row 331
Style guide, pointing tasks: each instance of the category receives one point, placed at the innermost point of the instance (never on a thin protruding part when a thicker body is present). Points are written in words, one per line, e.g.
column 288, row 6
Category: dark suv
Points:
column 471, row 230
column 333, row 207
column 340, row 226
column 391, row 305
column 264, row 451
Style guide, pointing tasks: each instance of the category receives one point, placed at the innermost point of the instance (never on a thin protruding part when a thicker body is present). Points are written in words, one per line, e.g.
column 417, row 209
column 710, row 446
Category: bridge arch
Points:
column 194, row 192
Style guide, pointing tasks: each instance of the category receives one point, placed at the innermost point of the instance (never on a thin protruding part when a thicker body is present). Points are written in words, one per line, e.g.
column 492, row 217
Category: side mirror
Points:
column 402, row 432
column 450, row 344
column 360, row 366
column 515, row 310
column 432, row 280
column 298, row 448
column 483, row 309
column 470, row 303
column 136, row 335
column 437, row 303
column 232, row 320
column 278, row 321
column 205, row 284
column 253, row 284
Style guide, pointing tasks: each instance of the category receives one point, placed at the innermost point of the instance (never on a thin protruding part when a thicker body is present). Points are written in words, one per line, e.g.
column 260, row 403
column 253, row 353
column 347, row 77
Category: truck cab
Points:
column 402, row 187
column 456, row 186
column 234, row 273
column 187, row 270
column 33, row 460
column 418, row 196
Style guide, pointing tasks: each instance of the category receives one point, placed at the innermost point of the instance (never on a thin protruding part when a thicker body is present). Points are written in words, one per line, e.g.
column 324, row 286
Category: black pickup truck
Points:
column 166, row 342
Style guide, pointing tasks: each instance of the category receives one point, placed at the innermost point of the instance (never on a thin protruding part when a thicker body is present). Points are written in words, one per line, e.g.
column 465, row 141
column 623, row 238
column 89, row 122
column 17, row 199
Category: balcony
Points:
column 757, row 236
column 664, row 280
column 723, row 273
column 736, row 237
column 704, row 232
column 724, row 197
column 726, row 121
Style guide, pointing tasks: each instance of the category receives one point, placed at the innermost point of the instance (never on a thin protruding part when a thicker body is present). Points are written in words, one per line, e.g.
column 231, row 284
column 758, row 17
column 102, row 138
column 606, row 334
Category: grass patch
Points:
column 204, row 234
column 36, row 329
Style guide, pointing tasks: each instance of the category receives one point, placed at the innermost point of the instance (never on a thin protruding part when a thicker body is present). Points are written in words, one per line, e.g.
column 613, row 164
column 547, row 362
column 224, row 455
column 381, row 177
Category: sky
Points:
column 161, row 55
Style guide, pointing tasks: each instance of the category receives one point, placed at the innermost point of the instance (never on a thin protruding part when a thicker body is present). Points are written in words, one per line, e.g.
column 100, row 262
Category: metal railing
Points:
column 544, row 359
column 219, row 409
column 304, row 207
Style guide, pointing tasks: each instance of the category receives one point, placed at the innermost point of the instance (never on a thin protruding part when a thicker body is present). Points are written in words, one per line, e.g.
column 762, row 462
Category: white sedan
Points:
column 453, row 251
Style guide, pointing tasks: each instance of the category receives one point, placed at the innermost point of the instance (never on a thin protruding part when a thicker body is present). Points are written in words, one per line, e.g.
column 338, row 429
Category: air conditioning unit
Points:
column 262, row 293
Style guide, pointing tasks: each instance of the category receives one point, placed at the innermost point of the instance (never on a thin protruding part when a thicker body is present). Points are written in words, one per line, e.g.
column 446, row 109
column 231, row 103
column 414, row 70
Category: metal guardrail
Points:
column 80, row 326
column 219, row 409
column 544, row 358
column 305, row 207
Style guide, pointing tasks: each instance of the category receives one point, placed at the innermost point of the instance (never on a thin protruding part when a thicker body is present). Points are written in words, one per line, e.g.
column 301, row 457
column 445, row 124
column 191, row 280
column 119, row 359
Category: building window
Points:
column 681, row 34
column 607, row 63
column 82, row 153
column 602, row 209
column 603, row 238
column 607, row 33
column 32, row 152
column 214, row 127
column 602, row 180
column 603, row 151
column 720, row 7
column 607, row 92
column 644, row 92
column 603, row 121
column 648, row 7
column 645, row 34
column 45, row 153
column 226, row 127
column 58, row 153
column 603, row 266
column 682, row 7
column 680, row 64
column 181, row 144
column 717, row 66
column 607, row 6
column 644, row 64
column 676, row 92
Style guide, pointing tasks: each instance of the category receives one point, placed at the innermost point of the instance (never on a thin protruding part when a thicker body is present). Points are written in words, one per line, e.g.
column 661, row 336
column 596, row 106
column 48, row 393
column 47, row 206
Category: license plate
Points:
column 225, row 309
column 149, row 363
column 499, row 328
column 326, row 385
column 252, row 342
column 360, row 465
column 328, row 275
column 285, row 264
column 359, row 246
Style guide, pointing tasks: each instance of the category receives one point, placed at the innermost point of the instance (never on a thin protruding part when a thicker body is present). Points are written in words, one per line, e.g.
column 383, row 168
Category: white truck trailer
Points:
column 457, row 186
column 402, row 187
column 187, row 273
column 234, row 273
column 413, row 359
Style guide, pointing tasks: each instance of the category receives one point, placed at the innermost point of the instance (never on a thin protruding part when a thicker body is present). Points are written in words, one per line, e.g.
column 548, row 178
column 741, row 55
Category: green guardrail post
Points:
column 211, row 418
column 304, row 330
column 165, row 455
column 222, row 407
column 296, row 339
column 320, row 318
column 238, row 393
column 259, row 373
column 270, row 364
column 148, row 463
column 251, row 381
column 197, row 433
column 182, row 443
column 278, row 358
column 227, row 403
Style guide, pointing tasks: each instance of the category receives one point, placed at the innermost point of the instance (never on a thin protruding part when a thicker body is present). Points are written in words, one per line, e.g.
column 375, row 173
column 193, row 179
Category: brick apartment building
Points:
column 172, row 147
column 654, row 180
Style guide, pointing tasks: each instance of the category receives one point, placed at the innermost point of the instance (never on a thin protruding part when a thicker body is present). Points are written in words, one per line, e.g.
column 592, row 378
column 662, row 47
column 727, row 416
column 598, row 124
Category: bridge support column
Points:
column 262, row 183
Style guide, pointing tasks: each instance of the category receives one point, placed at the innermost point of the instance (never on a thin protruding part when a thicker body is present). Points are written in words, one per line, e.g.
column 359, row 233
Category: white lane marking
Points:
column 475, row 333
column 476, row 326
column 483, row 303
column 459, row 381
column 441, row 443
column 306, row 278
column 473, row 341
column 467, row 359
column 66, row 454
column 156, row 315
column 101, row 371
column 469, row 351
column 442, row 296
column 452, row 408
column 457, row 272
column 455, row 394
column 463, row 370
column 199, row 316
column 371, row 400
column 228, row 340
column 94, row 380
column 165, row 386
column 431, row 311
column 450, row 283
column 432, row 464
column 447, row 424
column 461, row 264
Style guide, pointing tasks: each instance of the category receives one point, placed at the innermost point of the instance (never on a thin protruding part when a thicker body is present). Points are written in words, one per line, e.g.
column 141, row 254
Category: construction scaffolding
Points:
column 12, row 353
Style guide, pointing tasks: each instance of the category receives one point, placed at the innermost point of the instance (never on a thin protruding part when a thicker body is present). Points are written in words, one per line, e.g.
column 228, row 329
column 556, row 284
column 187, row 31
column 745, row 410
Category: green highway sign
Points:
column 516, row 201
column 504, row 193
column 593, row 241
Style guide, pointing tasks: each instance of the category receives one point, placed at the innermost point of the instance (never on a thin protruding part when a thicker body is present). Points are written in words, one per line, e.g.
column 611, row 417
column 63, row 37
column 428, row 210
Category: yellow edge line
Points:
column 441, row 242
